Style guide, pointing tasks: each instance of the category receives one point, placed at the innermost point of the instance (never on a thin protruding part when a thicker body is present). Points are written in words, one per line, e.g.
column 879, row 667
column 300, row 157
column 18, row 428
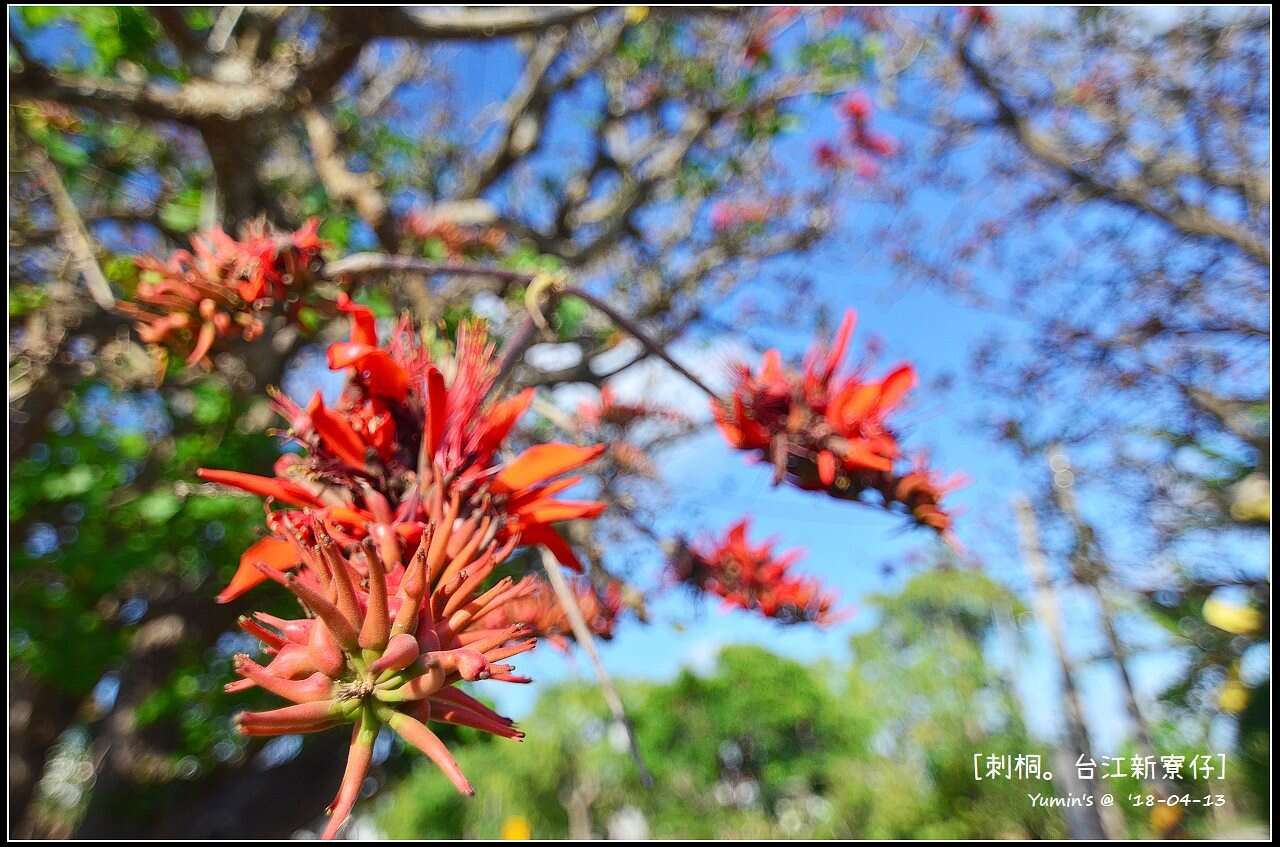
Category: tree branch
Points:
column 471, row 23
column 1189, row 219
column 359, row 190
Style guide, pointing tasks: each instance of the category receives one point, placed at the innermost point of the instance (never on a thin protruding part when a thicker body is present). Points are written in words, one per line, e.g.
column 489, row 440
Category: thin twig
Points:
column 582, row 634
column 638, row 334
column 73, row 229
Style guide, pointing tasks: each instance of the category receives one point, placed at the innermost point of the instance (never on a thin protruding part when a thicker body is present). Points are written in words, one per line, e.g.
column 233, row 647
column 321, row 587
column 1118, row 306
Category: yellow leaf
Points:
column 1238, row 620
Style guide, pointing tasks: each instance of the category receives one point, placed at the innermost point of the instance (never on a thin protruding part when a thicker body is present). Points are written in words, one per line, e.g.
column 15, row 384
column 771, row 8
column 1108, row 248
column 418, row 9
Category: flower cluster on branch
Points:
column 824, row 432
column 753, row 577
column 398, row 510
column 385, row 643
column 222, row 287
column 405, row 447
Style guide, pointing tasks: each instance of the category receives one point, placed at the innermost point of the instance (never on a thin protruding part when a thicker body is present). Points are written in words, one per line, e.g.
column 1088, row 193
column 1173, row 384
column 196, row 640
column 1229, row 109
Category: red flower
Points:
column 222, row 288
column 610, row 411
column 754, row 578
column 873, row 142
column 978, row 17
column 404, row 448
column 856, row 106
column 385, row 643
column 727, row 216
column 825, row 432
column 541, row 612
column 827, row 157
column 459, row 241
column 866, row 167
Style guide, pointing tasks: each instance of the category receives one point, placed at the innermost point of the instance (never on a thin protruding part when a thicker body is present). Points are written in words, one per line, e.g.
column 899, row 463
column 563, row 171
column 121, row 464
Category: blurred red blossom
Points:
column 824, row 432
column 753, row 578
column 541, row 611
column 222, row 287
column 827, row 156
column 459, row 240
column 728, row 215
column 610, row 411
column 978, row 17
column 856, row 106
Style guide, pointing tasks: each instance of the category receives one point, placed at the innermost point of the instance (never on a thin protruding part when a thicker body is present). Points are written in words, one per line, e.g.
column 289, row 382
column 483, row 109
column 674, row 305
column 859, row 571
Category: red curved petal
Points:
column 363, row 327
column 542, row 462
column 895, row 385
column 264, row 486
column 336, row 433
column 272, row 552
column 551, row 511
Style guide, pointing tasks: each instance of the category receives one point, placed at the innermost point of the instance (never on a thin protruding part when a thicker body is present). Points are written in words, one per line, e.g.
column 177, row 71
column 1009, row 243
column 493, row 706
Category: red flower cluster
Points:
column 399, row 513
column 856, row 110
column 459, row 241
column 827, row 433
column 729, row 216
column 753, row 578
column 222, row 286
column 868, row 146
column 404, row 449
column 610, row 411
column 385, row 644
column 541, row 612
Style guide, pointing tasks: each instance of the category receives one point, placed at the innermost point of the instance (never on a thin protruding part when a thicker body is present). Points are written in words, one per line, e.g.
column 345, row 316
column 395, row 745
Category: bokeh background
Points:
column 1060, row 216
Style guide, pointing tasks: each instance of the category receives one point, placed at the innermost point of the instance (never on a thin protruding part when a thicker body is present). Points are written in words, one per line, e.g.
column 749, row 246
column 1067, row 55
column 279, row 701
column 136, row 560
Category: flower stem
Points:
column 582, row 634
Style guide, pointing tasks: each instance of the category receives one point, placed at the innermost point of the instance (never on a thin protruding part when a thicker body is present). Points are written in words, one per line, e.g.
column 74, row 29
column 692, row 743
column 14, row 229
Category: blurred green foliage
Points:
column 767, row 747
column 105, row 509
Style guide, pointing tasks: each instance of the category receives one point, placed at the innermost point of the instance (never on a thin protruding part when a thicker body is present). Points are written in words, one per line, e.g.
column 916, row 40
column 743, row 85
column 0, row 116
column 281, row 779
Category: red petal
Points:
column 857, row 455
column 895, row 385
column 841, row 342
column 336, row 433
column 501, row 418
column 272, row 552
column 346, row 354
column 857, row 401
column 264, row 486
column 528, row 496
column 374, row 367
column 826, row 467
column 771, row 368
column 542, row 462
column 551, row 511
column 437, row 410
column 545, row 536
column 363, row 327
column 383, row 376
